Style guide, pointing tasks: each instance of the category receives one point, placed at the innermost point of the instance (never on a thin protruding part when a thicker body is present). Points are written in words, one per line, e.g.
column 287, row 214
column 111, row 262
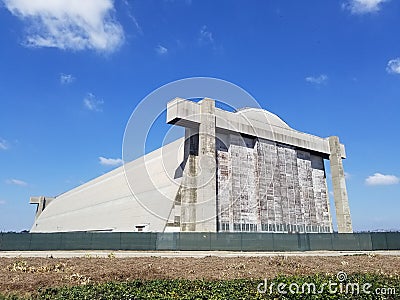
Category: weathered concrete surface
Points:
column 266, row 186
column 339, row 187
column 206, row 206
column 188, row 194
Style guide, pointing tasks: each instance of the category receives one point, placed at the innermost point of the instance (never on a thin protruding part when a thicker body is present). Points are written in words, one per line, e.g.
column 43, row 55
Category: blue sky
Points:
column 72, row 72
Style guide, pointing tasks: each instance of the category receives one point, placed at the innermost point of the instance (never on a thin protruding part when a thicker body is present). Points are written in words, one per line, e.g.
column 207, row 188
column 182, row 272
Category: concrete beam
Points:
column 187, row 113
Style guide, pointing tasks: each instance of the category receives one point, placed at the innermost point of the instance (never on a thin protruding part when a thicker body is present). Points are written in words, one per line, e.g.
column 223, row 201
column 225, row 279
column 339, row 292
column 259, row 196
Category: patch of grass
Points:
column 371, row 286
column 22, row 266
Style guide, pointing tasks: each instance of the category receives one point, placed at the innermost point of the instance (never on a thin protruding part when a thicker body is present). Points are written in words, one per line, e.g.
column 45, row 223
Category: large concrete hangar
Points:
column 233, row 171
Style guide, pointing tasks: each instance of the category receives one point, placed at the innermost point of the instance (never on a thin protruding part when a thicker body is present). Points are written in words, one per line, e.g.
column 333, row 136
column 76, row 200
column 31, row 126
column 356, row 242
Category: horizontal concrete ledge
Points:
column 38, row 199
column 34, row 200
column 187, row 113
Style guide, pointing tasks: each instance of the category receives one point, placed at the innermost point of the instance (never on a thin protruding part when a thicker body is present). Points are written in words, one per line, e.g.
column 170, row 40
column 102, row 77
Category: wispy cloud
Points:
column 16, row 182
column 381, row 179
column 321, row 79
column 393, row 66
column 2, row 202
column 359, row 7
column 4, row 145
column 131, row 16
column 69, row 24
column 91, row 103
column 187, row 2
column 110, row 161
column 205, row 36
column 66, row 78
column 161, row 50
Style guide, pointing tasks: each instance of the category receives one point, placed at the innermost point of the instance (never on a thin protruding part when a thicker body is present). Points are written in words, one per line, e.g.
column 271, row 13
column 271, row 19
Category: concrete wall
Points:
column 265, row 186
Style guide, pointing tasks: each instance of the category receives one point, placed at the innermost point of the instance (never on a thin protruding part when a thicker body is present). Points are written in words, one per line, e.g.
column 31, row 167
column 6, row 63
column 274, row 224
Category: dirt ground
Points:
column 26, row 275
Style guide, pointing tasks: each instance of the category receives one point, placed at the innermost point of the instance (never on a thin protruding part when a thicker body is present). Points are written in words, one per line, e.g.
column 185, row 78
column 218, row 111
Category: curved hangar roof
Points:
column 259, row 114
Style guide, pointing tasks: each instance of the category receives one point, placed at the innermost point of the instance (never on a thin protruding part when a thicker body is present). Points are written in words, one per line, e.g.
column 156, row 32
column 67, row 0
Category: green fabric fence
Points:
column 199, row 241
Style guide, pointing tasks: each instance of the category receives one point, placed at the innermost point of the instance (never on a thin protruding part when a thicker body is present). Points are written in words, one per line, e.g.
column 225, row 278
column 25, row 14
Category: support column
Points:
column 206, row 206
column 339, row 187
column 189, row 184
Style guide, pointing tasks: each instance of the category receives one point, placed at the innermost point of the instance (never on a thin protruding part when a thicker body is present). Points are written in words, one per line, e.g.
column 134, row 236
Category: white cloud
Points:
column 360, row 7
column 393, row 66
column 69, row 24
column 66, row 78
column 381, row 179
column 16, row 182
column 91, row 103
column 2, row 202
column 317, row 79
column 205, row 36
column 110, row 161
column 3, row 144
column 161, row 50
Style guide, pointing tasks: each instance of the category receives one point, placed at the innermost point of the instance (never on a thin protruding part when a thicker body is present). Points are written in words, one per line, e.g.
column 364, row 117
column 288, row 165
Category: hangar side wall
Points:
column 268, row 186
column 108, row 203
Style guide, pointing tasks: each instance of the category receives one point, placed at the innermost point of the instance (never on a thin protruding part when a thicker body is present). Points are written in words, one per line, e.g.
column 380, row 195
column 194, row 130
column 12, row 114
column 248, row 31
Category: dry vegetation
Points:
column 26, row 275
